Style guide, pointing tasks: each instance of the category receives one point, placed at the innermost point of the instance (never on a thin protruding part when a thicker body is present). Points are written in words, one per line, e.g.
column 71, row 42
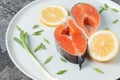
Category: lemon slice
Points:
column 52, row 15
column 103, row 46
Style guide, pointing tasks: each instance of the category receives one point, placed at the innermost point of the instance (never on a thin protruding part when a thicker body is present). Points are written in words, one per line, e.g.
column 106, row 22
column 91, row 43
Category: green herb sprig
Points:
column 61, row 72
column 23, row 43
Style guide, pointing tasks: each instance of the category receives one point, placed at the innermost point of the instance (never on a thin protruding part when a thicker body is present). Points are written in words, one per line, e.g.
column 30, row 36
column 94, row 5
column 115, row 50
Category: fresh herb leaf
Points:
column 102, row 9
column 37, row 33
column 98, row 70
column 106, row 6
column 115, row 21
column 18, row 41
column 64, row 60
column 43, row 46
column 46, row 40
column 114, row 10
column 40, row 46
column 35, row 26
column 48, row 60
column 61, row 72
column 18, row 28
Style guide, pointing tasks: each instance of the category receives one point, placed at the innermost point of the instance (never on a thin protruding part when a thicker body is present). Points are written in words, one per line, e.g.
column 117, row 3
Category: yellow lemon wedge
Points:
column 103, row 46
column 52, row 15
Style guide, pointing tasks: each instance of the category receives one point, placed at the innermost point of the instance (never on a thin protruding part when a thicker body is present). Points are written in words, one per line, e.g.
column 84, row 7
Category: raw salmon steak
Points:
column 86, row 16
column 71, row 42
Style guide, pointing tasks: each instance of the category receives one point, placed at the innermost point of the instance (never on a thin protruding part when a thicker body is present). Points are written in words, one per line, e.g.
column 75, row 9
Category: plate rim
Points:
column 12, row 20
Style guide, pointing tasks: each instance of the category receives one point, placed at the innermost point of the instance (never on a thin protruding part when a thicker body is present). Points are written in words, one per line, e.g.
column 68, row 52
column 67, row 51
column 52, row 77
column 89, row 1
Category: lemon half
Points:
column 52, row 15
column 103, row 46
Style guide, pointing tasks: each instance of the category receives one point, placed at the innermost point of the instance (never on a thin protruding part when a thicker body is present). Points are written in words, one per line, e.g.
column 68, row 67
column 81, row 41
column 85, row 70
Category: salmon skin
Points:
column 71, row 42
column 86, row 16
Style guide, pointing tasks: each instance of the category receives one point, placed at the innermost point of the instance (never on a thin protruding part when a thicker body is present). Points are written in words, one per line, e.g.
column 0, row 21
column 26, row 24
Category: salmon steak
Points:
column 86, row 16
column 71, row 42
column 72, row 34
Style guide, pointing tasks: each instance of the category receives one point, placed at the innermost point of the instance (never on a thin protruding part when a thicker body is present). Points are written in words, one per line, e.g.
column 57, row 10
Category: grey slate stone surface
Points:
column 8, row 71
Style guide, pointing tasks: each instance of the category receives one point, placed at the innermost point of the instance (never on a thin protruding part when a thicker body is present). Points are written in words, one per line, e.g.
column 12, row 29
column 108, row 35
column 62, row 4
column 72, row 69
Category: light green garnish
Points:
column 63, row 59
column 35, row 26
column 114, row 10
column 48, row 60
column 61, row 72
column 98, row 70
column 115, row 21
column 104, row 8
column 40, row 46
column 46, row 40
column 37, row 33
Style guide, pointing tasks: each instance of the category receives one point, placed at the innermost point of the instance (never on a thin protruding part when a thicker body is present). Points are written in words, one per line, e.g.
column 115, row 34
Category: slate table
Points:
column 8, row 8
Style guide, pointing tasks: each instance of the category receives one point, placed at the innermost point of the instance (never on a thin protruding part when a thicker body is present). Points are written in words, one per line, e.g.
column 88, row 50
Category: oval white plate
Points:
column 28, row 17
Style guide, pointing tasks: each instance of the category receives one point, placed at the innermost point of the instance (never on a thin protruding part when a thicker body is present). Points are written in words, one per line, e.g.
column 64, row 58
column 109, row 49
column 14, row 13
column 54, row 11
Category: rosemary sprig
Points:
column 61, row 72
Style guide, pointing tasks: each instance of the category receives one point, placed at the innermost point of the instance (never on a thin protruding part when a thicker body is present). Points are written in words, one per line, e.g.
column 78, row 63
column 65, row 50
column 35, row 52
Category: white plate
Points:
column 28, row 17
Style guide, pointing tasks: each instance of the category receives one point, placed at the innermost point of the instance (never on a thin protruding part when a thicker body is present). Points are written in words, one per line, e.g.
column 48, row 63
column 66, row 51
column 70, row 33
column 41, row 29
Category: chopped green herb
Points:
column 64, row 60
column 115, row 21
column 102, row 9
column 106, row 6
column 40, row 46
column 48, row 60
column 61, row 72
column 98, row 70
column 38, row 33
column 114, row 10
column 46, row 40
column 35, row 26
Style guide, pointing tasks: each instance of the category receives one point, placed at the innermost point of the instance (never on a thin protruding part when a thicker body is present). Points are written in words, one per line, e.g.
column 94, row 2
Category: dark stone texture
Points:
column 16, row 4
column 8, row 70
